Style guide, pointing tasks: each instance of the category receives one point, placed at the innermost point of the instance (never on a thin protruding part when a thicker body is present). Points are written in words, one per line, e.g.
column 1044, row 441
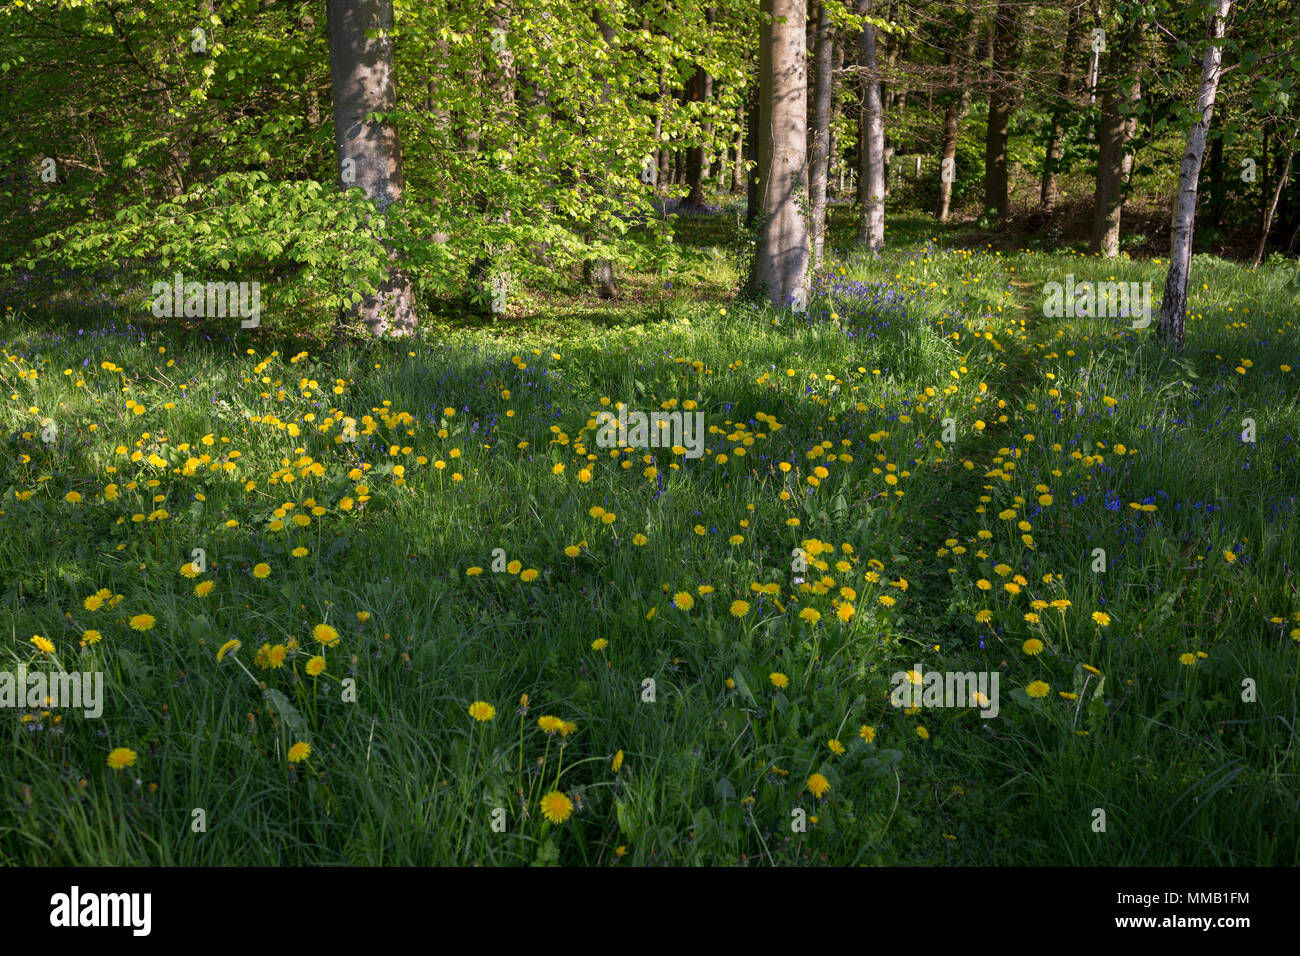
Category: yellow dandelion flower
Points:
column 556, row 807
column 299, row 752
column 779, row 680
column 325, row 634
column 818, row 785
column 142, row 622
column 316, row 666
column 482, row 711
column 550, row 724
column 1038, row 688
column 44, row 645
column 121, row 758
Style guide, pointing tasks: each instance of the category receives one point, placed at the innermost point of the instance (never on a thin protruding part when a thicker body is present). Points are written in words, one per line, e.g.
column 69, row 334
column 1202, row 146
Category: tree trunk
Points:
column 440, row 117
column 369, row 153
column 1173, row 308
column 1122, row 87
column 890, row 97
column 1271, row 209
column 664, row 179
column 834, row 161
column 871, row 131
column 602, row 270
column 781, row 257
column 752, row 197
column 821, row 137
column 1006, row 31
column 952, row 118
column 1049, row 192
column 695, row 171
column 738, row 170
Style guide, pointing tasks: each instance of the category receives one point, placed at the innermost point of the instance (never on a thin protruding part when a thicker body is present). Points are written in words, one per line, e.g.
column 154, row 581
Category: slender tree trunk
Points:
column 695, row 173
column 602, row 270
column 738, row 170
column 752, row 197
column 835, row 162
column 871, row 130
column 890, row 97
column 664, row 159
column 1006, row 31
column 1173, row 307
column 1270, row 210
column 781, row 258
column 369, row 153
column 821, row 136
column 440, row 117
column 1049, row 192
column 957, row 104
column 1123, row 87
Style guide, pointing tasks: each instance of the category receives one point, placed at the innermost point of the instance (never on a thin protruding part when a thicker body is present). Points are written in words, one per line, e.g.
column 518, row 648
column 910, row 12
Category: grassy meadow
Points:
column 650, row 675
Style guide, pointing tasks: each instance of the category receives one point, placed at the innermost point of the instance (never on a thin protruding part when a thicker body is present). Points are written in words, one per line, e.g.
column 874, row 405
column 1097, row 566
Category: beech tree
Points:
column 782, row 253
column 1006, row 37
column 1124, row 67
column 871, row 132
column 368, row 149
column 819, row 152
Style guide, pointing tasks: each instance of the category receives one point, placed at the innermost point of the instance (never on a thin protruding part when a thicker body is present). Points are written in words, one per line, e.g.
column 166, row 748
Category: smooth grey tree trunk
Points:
column 952, row 116
column 835, row 162
column 1049, row 192
column 781, row 256
column 821, row 136
column 361, row 73
column 871, row 129
column 752, row 197
column 602, row 270
column 1173, row 307
column 1123, row 86
column 1006, row 34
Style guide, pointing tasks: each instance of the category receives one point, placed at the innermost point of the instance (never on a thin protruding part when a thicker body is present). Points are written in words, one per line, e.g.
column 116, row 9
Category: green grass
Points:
column 713, row 769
